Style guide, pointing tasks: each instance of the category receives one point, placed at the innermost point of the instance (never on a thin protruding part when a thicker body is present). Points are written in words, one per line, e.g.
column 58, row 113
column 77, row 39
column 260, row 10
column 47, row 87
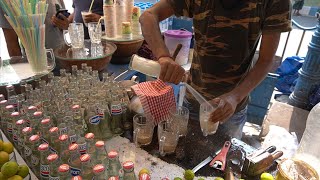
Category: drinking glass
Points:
column 76, row 35
column 85, row 13
column 207, row 127
column 168, row 136
column 95, row 32
column 143, row 130
column 180, row 116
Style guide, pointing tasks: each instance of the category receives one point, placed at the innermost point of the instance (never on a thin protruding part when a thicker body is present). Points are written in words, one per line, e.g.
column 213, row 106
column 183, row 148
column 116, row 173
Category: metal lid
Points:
column 32, row 108
column 52, row 157
column 64, row 168
column 34, row 138
column 114, row 178
column 178, row 34
column 75, row 107
column 20, row 122
column 9, row 107
column 54, row 129
column 73, row 147
column 26, row 129
column 15, row 114
column 128, row 165
column 99, row 144
column 99, row 168
column 85, row 158
column 3, row 101
column 144, row 176
column 45, row 121
column 63, row 137
column 43, row 147
column 89, row 136
column 112, row 154
column 38, row 113
column 76, row 178
column 9, row 86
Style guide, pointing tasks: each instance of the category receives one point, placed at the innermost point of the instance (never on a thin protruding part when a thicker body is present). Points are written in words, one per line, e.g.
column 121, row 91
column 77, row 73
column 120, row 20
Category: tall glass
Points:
column 95, row 32
column 76, row 35
column 168, row 136
column 180, row 115
column 207, row 127
column 143, row 130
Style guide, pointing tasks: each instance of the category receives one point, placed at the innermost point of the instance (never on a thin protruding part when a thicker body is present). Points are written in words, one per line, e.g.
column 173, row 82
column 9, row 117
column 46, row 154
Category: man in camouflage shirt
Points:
column 227, row 33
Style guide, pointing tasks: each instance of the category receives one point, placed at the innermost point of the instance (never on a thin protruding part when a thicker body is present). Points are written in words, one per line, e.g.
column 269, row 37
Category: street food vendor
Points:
column 227, row 33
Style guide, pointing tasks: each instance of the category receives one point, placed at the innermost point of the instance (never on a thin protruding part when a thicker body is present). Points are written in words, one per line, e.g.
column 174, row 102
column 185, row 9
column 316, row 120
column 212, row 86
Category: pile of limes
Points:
column 10, row 170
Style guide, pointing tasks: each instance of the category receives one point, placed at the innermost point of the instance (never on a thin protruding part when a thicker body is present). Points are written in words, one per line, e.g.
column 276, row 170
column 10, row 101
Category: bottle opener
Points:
column 219, row 162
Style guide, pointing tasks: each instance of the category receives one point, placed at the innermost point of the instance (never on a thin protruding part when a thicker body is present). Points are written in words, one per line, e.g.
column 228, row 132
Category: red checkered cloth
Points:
column 156, row 98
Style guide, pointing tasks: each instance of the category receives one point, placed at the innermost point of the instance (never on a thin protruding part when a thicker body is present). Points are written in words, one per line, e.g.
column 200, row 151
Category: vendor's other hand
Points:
column 226, row 106
column 61, row 24
column 92, row 17
column 170, row 70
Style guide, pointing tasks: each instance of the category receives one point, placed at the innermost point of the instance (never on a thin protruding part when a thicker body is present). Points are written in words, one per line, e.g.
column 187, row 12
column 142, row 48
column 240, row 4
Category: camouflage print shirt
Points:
column 227, row 33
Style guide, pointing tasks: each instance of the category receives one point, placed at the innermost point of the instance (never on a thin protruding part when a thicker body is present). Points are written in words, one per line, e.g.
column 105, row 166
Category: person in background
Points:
column 297, row 6
column 76, row 16
column 227, row 33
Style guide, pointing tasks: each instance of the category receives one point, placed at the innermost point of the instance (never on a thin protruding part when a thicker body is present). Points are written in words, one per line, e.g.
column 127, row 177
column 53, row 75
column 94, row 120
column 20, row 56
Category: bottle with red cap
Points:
column 27, row 133
column 105, row 123
column 64, row 172
column 30, row 111
column 86, row 167
column 89, row 138
column 36, row 120
column 93, row 120
column 20, row 125
column 3, row 104
column 76, row 178
column 54, row 139
column 113, row 178
column 44, row 165
column 54, row 162
column 114, row 165
column 35, row 161
column 12, row 95
column 78, row 118
column 128, row 169
column 63, row 128
column 64, row 148
column 44, row 129
column 144, row 176
column 99, row 172
column 12, row 130
column 7, row 119
column 101, row 154
column 74, row 161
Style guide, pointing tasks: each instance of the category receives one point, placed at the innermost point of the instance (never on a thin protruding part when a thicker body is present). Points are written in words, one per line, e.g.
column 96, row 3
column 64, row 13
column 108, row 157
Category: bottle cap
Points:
column 75, row 107
column 89, row 136
column 99, row 168
column 9, row 86
column 112, row 154
column 26, row 129
column 85, row 158
column 73, row 147
column 128, row 165
column 9, row 107
column 34, row 138
column 32, row 108
column 37, row 114
column 54, row 129
column 1, row 96
column 114, row 178
column 20, row 122
column 99, row 144
column 63, row 137
column 64, row 168
column 76, row 178
column 15, row 114
column 45, row 121
column 52, row 157
column 144, row 176
column 3, row 102
column 43, row 147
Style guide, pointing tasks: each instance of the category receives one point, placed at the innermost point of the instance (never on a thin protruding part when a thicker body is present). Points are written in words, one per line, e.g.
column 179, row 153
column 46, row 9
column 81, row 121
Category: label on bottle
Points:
column 116, row 109
column 9, row 127
column 34, row 160
column 63, row 131
column 95, row 120
column 75, row 171
column 73, row 138
column 82, row 148
column 27, row 151
column 54, row 178
column 44, row 171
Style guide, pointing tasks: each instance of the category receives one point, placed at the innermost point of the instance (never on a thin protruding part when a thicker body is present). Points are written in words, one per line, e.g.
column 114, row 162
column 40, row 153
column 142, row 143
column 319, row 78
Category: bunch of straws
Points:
column 27, row 18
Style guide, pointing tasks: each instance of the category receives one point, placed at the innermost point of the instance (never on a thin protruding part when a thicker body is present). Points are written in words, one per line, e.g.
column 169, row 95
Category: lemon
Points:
column 189, row 174
column 1, row 145
column 2, row 177
column 266, row 176
column 9, row 169
column 144, row 171
column 4, row 157
column 15, row 177
column 218, row 178
column 23, row 171
column 177, row 178
column 8, row 147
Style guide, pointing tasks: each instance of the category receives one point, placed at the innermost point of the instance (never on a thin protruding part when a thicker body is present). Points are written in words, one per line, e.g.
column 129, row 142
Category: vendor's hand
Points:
column 92, row 17
column 227, row 105
column 61, row 24
column 170, row 70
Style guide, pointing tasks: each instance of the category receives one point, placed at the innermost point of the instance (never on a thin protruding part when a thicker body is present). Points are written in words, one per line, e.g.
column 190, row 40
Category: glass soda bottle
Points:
column 64, row 148
column 3, row 104
column 12, row 95
column 116, row 113
column 89, row 138
column 113, row 178
column 44, row 129
column 78, row 118
column 54, row 139
column 27, row 133
column 114, row 164
column 54, row 162
column 73, row 136
column 35, row 121
column 35, row 161
column 64, row 172
column 99, row 172
column 82, row 145
column 105, row 125
column 74, row 161
column 128, row 168
column 76, row 178
column 12, row 130
column 86, row 170
column 44, row 165
column 101, row 154
column 144, row 176
column 93, row 120
column 7, row 126
column 20, row 125
column 30, row 111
